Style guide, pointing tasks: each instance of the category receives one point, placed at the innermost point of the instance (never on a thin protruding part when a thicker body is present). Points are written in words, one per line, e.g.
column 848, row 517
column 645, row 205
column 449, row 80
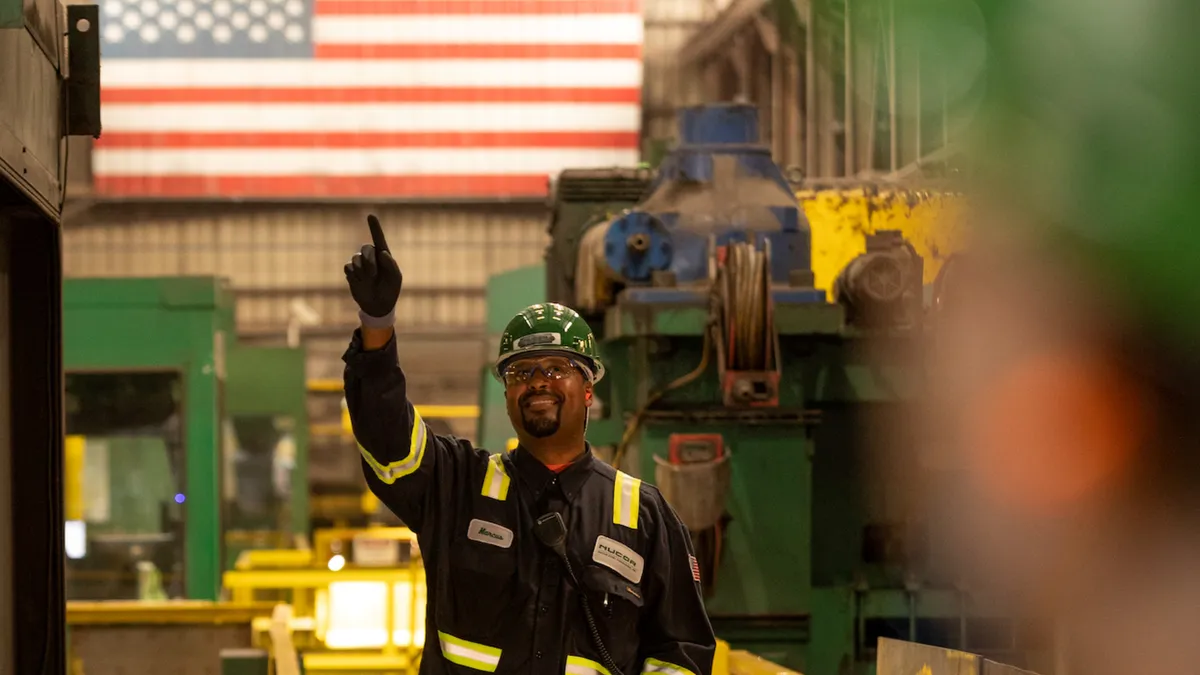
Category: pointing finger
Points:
column 377, row 233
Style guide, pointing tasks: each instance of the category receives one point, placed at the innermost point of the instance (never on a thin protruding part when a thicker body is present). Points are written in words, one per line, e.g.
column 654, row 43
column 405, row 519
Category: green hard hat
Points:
column 549, row 327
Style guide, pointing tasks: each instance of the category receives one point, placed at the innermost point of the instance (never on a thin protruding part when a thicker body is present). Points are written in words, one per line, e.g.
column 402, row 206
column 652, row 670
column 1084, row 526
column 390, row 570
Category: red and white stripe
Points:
column 405, row 98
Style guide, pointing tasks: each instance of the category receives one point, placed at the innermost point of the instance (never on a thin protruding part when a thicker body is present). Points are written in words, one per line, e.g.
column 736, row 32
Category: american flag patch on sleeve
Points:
column 695, row 567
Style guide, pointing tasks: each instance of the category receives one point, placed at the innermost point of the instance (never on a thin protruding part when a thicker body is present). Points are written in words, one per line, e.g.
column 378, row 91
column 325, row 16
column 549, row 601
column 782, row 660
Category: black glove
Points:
column 375, row 279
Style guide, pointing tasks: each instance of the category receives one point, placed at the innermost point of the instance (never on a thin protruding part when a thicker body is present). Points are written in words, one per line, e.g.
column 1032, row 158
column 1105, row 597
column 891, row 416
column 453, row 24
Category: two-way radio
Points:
column 552, row 532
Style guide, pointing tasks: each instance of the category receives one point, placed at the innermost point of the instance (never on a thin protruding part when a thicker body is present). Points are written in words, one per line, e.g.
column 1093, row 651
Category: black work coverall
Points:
column 499, row 600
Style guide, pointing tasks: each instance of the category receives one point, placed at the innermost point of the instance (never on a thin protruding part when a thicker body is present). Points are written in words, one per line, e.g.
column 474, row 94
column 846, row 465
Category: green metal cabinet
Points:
column 184, row 447
column 266, row 450
column 145, row 363
column 506, row 294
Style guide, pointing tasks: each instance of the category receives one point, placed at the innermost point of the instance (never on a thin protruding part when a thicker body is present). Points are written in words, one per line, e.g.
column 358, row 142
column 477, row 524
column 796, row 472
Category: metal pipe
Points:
column 860, row 633
column 912, row 615
column 778, row 107
column 850, row 163
column 714, row 36
column 945, row 110
column 918, row 151
column 339, row 291
column 389, row 621
column 962, row 619
column 443, row 333
column 810, row 92
column 893, row 137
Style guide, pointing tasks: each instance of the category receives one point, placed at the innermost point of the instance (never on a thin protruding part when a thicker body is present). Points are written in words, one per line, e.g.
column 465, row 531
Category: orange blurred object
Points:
column 1055, row 429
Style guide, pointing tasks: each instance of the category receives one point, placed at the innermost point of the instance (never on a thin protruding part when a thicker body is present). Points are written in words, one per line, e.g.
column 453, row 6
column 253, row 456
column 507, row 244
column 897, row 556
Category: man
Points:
column 621, row 595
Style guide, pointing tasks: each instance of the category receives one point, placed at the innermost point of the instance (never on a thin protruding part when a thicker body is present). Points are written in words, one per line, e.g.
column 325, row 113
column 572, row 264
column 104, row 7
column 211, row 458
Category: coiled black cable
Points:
column 591, row 621
column 552, row 532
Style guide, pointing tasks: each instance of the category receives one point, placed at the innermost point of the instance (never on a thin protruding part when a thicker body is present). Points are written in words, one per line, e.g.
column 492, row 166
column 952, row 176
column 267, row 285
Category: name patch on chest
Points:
column 489, row 533
column 619, row 558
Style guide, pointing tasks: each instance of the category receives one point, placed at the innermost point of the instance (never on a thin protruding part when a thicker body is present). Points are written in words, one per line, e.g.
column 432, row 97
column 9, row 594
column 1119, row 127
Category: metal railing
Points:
column 342, row 617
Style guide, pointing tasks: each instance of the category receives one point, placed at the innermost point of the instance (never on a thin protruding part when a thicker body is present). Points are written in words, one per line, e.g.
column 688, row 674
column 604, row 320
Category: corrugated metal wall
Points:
column 669, row 24
column 273, row 255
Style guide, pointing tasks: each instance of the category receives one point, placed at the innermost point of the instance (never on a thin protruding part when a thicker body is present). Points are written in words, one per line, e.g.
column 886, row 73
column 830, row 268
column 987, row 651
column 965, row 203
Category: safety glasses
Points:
column 551, row 367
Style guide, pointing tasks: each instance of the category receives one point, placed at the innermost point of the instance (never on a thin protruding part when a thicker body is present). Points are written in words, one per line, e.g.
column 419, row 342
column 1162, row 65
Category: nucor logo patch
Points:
column 489, row 533
column 619, row 558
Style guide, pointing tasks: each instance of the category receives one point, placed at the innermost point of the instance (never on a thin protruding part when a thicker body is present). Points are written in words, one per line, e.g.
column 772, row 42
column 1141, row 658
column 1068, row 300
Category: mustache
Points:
column 530, row 394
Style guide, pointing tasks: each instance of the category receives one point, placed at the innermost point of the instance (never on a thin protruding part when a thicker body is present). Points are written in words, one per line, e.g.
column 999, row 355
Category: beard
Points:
column 541, row 425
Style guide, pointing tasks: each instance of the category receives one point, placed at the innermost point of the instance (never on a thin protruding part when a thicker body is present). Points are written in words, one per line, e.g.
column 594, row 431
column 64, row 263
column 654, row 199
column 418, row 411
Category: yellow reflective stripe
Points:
column 495, row 481
column 656, row 666
column 469, row 654
column 416, row 452
column 577, row 665
column 627, row 490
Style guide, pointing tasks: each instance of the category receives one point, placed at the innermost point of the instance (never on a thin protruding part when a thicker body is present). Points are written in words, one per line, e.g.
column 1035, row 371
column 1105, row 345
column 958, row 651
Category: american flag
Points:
column 364, row 98
column 695, row 567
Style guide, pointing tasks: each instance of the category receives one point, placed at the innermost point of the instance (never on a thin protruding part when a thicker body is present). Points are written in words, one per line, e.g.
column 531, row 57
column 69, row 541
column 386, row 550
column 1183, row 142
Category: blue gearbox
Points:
column 719, row 184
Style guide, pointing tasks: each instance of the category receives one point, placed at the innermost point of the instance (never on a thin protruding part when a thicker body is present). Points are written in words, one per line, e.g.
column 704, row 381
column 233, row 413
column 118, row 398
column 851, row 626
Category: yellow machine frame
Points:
column 312, row 581
column 285, row 598
column 841, row 219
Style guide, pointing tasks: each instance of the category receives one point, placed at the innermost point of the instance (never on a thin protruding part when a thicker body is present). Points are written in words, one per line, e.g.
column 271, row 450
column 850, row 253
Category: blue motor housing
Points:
column 720, row 183
column 636, row 245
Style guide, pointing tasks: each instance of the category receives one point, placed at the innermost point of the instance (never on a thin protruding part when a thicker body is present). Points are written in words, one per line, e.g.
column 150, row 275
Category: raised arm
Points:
column 403, row 462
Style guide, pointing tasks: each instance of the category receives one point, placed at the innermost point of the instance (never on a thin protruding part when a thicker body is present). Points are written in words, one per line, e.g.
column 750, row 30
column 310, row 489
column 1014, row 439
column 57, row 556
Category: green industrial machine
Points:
column 182, row 446
column 757, row 405
column 265, row 450
column 507, row 293
column 586, row 196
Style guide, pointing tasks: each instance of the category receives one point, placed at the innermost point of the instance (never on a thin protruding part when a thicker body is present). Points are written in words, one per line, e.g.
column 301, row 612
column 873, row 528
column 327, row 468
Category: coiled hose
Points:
column 743, row 291
column 739, row 290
